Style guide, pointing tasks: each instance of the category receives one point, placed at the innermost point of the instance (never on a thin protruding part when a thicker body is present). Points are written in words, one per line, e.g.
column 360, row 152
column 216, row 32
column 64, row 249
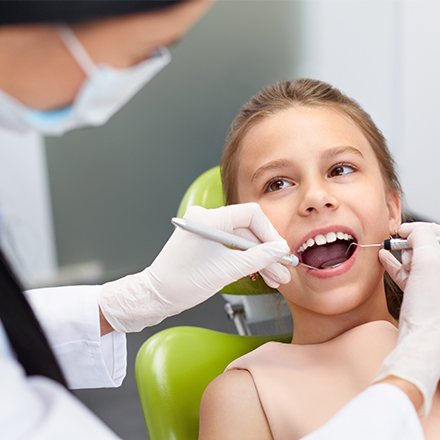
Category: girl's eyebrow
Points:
column 326, row 155
column 278, row 163
column 343, row 149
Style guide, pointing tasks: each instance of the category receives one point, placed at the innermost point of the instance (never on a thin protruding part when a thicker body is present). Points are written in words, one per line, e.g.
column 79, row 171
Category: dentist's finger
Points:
column 247, row 234
column 251, row 216
column 405, row 229
column 277, row 273
column 256, row 259
column 407, row 259
column 273, row 275
column 269, row 281
column 394, row 268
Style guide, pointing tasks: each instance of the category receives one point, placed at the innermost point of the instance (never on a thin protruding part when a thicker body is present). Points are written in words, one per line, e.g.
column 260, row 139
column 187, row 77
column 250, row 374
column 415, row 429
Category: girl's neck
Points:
column 310, row 327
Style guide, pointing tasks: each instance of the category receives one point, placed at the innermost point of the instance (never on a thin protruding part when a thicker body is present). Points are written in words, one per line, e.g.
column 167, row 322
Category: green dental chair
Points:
column 174, row 366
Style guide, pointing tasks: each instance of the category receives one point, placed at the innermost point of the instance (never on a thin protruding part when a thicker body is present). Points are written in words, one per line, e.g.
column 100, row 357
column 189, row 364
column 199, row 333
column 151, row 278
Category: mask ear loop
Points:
column 76, row 49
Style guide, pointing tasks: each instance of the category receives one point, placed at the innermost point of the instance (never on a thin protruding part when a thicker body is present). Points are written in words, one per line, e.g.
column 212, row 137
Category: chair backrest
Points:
column 173, row 368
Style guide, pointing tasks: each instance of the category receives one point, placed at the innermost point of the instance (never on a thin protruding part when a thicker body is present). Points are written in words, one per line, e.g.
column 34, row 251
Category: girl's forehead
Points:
column 299, row 121
column 302, row 129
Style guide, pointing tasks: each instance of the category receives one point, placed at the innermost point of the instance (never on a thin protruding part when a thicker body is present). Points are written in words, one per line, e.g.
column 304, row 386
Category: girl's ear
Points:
column 394, row 211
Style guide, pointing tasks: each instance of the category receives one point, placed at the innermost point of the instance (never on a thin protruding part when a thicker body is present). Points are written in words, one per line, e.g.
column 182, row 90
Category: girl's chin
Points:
column 334, row 305
column 334, row 298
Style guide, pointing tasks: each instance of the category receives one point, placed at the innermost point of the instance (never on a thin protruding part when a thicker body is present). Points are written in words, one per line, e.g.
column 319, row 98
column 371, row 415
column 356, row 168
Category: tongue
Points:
column 326, row 255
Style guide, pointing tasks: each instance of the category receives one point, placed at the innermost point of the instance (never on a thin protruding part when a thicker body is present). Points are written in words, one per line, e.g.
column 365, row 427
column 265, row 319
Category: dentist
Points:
column 54, row 78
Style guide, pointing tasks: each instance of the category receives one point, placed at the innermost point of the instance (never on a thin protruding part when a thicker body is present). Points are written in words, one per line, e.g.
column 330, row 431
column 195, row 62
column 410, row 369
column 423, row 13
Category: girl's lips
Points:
column 339, row 270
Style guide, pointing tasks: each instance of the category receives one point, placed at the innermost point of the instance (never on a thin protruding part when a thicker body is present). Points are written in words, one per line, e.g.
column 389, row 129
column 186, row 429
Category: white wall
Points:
column 351, row 45
column 385, row 55
column 419, row 128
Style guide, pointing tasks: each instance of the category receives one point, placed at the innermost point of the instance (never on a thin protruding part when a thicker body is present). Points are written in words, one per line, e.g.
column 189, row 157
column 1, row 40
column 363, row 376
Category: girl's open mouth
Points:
column 331, row 253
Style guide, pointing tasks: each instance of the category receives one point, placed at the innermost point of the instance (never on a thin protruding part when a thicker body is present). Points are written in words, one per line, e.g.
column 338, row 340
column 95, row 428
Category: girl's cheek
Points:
column 277, row 217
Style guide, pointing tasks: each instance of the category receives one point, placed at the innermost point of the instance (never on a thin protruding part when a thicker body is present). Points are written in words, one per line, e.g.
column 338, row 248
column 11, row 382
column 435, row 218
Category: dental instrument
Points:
column 228, row 239
column 391, row 244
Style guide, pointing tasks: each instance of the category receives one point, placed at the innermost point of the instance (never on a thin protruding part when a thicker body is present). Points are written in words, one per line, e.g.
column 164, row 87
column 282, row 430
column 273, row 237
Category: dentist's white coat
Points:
column 38, row 408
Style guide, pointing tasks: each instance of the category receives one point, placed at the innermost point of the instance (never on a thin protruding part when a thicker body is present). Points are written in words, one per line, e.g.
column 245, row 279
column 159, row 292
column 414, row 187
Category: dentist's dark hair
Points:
column 308, row 93
column 24, row 332
column 60, row 11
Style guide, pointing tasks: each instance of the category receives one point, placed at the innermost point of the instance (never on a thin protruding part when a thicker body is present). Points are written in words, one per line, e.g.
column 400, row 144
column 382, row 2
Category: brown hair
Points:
column 308, row 92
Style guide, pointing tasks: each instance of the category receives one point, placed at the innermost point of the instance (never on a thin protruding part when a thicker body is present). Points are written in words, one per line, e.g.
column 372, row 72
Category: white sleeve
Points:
column 70, row 319
column 381, row 412
column 39, row 409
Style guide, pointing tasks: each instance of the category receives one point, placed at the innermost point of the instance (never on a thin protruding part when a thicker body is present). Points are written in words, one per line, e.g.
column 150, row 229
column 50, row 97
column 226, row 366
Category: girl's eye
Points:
column 277, row 184
column 341, row 169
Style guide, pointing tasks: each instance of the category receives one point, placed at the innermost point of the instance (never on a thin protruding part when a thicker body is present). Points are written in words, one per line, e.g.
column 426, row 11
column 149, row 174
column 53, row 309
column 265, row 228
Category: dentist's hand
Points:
column 190, row 269
column 416, row 357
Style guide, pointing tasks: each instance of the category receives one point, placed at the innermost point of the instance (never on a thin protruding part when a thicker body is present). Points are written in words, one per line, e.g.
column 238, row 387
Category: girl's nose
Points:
column 317, row 198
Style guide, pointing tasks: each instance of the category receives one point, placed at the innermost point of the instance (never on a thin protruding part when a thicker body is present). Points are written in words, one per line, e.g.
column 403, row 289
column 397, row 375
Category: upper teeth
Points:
column 321, row 239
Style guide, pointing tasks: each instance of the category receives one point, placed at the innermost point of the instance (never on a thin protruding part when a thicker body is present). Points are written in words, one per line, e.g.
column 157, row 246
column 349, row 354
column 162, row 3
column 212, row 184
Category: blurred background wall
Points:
column 114, row 189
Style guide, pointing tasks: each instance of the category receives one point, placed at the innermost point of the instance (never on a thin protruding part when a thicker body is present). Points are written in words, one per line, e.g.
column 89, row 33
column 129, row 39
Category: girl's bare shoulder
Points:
column 231, row 409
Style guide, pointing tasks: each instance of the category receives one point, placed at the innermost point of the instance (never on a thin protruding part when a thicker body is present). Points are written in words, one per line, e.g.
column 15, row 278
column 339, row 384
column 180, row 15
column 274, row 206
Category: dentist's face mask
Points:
column 103, row 93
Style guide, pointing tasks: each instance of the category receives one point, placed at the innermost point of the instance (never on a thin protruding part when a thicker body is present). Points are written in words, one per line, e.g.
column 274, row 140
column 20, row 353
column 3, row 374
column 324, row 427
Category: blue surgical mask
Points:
column 103, row 93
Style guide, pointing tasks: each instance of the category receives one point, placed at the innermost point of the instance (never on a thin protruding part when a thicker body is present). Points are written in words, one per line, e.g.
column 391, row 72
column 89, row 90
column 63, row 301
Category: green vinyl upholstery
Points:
column 173, row 368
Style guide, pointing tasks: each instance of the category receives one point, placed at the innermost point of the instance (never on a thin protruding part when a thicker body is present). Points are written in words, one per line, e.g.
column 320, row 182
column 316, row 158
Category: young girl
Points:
column 321, row 171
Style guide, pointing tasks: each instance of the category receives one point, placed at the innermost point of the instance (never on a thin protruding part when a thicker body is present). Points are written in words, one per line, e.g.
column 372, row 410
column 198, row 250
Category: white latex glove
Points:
column 416, row 357
column 190, row 269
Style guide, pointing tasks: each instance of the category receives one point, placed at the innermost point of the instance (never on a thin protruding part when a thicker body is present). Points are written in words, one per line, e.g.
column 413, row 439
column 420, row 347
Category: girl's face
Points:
column 317, row 178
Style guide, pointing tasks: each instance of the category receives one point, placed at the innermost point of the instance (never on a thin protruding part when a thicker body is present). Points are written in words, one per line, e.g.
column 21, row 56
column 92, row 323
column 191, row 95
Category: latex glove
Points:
column 190, row 269
column 416, row 357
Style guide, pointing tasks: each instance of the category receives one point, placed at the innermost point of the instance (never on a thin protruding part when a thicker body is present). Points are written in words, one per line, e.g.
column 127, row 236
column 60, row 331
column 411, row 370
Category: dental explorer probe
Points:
column 392, row 244
column 226, row 238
